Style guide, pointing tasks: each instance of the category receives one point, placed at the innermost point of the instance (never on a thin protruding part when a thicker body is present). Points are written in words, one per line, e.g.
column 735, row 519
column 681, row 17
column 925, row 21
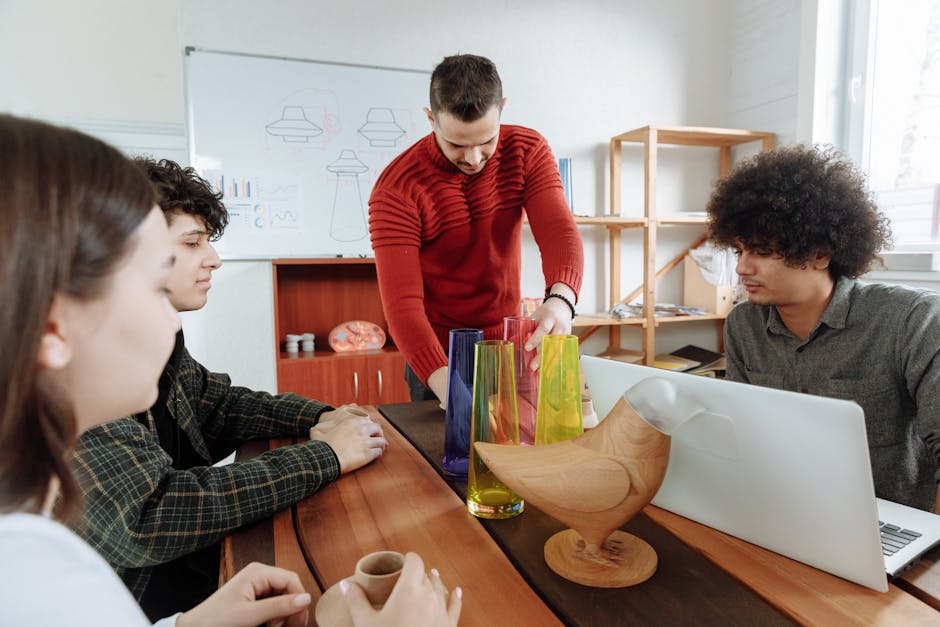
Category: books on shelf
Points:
column 692, row 359
column 623, row 354
column 661, row 310
column 668, row 361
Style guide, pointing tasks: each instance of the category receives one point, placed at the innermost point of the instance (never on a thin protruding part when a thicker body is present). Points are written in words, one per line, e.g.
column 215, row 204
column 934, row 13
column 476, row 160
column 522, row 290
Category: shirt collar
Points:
column 835, row 315
column 838, row 310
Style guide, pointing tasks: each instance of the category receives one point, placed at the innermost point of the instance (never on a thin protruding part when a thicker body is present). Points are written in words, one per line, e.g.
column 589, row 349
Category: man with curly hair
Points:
column 805, row 228
column 155, row 506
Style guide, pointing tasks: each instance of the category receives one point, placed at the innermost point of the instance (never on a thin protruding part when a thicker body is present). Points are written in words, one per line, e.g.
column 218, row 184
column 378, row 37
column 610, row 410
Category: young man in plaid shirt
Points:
column 154, row 505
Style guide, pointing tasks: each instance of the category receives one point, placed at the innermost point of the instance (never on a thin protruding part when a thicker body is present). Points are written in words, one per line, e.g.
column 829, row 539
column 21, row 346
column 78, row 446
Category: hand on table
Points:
column 417, row 599
column 330, row 419
column 256, row 594
column 356, row 440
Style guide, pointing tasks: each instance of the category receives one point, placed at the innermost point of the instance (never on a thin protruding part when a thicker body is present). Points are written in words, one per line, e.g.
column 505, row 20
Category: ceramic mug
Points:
column 377, row 573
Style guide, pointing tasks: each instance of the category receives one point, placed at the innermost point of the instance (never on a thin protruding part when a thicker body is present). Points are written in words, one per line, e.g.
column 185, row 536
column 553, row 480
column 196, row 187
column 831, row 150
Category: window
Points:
column 898, row 129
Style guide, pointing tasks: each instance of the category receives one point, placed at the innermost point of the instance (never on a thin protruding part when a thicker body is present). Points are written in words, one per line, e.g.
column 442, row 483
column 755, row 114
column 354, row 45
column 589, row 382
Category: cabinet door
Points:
column 386, row 374
column 332, row 381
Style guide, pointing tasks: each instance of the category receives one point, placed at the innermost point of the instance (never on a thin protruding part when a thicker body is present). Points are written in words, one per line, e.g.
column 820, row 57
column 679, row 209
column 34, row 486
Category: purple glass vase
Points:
column 459, row 400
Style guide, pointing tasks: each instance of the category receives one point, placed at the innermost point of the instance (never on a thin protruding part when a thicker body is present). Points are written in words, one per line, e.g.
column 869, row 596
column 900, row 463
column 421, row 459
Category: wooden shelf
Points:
column 652, row 137
column 615, row 222
column 314, row 296
column 320, row 261
column 668, row 319
column 604, row 320
column 611, row 221
column 696, row 136
column 682, row 220
column 325, row 355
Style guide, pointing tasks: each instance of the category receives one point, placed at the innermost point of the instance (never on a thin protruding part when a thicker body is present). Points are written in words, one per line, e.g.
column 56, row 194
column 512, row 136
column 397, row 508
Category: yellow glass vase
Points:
column 495, row 419
column 559, row 412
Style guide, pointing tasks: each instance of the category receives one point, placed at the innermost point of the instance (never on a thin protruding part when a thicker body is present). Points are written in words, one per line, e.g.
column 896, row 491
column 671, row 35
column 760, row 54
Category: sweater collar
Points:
column 433, row 152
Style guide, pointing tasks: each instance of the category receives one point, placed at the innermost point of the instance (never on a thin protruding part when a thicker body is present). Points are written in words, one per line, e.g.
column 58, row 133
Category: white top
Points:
column 49, row 576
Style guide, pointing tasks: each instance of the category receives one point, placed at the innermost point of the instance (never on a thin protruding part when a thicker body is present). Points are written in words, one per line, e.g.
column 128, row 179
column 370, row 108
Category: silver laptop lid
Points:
column 788, row 472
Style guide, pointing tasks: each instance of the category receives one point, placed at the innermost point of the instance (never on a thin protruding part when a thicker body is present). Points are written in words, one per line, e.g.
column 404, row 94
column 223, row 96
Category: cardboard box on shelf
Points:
column 697, row 292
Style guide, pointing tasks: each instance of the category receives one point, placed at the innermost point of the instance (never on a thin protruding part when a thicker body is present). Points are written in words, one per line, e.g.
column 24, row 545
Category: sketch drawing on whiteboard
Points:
column 381, row 129
column 347, row 222
column 293, row 126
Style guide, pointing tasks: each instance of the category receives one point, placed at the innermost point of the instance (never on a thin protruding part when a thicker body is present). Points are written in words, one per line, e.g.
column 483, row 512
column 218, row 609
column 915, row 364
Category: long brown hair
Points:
column 69, row 207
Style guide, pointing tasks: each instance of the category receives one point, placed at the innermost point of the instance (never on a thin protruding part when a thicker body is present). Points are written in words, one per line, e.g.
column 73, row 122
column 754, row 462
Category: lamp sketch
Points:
column 380, row 128
column 293, row 126
column 347, row 222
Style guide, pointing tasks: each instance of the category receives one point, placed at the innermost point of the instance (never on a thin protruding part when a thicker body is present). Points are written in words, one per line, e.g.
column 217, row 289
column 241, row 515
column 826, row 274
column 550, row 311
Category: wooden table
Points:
column 705, row 577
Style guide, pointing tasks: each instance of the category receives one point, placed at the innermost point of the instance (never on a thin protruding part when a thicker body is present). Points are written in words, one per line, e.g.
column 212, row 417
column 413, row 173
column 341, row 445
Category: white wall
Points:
column 764, row 66
column 103, row 60
column 579, row 72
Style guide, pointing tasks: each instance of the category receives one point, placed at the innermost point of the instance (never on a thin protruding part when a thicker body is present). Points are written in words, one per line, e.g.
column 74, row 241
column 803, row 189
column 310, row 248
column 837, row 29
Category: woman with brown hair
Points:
column 86, row 329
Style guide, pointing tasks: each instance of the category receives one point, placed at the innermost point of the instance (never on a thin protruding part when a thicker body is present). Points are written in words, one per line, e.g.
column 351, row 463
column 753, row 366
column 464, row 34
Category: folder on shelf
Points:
column 696, row 353
column 710, row 362
column 669, row 361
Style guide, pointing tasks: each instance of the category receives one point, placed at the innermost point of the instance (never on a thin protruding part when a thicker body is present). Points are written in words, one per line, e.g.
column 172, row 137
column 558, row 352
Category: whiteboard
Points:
column 295, row 146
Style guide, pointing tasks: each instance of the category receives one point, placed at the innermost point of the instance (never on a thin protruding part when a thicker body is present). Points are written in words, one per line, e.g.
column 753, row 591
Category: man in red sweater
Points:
column 445, row 219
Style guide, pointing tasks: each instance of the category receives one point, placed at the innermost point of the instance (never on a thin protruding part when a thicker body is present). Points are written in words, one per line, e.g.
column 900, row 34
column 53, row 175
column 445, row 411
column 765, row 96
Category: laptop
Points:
column 786, row 471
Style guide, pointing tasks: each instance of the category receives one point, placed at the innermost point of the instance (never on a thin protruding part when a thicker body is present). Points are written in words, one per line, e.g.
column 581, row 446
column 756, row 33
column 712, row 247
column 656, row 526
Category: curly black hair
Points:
column 182, row 190
column 799, row 202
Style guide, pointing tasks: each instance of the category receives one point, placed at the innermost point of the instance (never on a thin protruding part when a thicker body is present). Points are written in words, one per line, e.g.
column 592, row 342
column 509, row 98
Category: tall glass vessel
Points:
column 517, row 329
column 459, row 400
column 559, row 415
column 495, row 420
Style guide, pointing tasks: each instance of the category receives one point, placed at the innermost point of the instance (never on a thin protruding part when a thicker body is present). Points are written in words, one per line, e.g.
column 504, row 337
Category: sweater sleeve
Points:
column 552, row 223
column 402, row 292
column 140, row 511
column 395, row 240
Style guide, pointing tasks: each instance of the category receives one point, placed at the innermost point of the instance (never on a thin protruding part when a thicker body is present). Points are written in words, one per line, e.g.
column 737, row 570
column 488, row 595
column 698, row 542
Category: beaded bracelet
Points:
column 564, row 300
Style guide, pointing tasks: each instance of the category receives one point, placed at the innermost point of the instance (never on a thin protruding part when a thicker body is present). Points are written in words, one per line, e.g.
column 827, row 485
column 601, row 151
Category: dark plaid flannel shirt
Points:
column 140, row 511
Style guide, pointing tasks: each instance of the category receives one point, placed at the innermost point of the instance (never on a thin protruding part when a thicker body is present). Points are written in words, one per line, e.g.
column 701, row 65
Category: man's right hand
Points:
column 356, row 441
column 437, row 383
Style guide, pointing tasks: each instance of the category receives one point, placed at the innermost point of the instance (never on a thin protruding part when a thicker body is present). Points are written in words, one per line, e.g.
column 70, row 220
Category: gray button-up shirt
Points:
column 877, row 345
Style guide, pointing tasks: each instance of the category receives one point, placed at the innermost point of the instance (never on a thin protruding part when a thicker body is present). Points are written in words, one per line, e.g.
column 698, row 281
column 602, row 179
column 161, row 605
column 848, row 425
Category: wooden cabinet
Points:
column 652, row 137
column 315, row 295
column 369, row 378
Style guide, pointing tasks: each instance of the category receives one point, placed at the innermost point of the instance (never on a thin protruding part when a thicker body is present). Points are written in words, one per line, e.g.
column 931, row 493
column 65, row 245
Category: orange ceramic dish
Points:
column 356, row 335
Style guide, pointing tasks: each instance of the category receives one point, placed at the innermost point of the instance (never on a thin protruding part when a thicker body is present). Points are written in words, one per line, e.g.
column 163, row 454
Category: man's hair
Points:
column 799, row 202
column 182, row 190
column 466, row 86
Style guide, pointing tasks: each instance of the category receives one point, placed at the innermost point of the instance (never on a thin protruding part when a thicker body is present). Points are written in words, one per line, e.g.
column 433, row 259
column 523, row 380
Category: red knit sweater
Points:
column 448, row 245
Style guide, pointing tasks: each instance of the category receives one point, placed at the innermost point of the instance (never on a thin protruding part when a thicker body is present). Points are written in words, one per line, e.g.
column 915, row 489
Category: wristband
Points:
column 564, row 300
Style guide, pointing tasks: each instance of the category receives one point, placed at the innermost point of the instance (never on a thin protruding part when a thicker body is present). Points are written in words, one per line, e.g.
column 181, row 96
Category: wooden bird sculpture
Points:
column 593, row 483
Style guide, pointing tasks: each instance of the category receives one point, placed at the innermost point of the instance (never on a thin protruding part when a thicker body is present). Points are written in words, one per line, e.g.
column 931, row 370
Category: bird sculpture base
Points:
column 624, row 560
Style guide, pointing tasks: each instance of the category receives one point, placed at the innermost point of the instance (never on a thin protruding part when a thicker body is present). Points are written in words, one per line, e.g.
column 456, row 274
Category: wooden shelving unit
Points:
column 315, row 295
column 652, row 137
